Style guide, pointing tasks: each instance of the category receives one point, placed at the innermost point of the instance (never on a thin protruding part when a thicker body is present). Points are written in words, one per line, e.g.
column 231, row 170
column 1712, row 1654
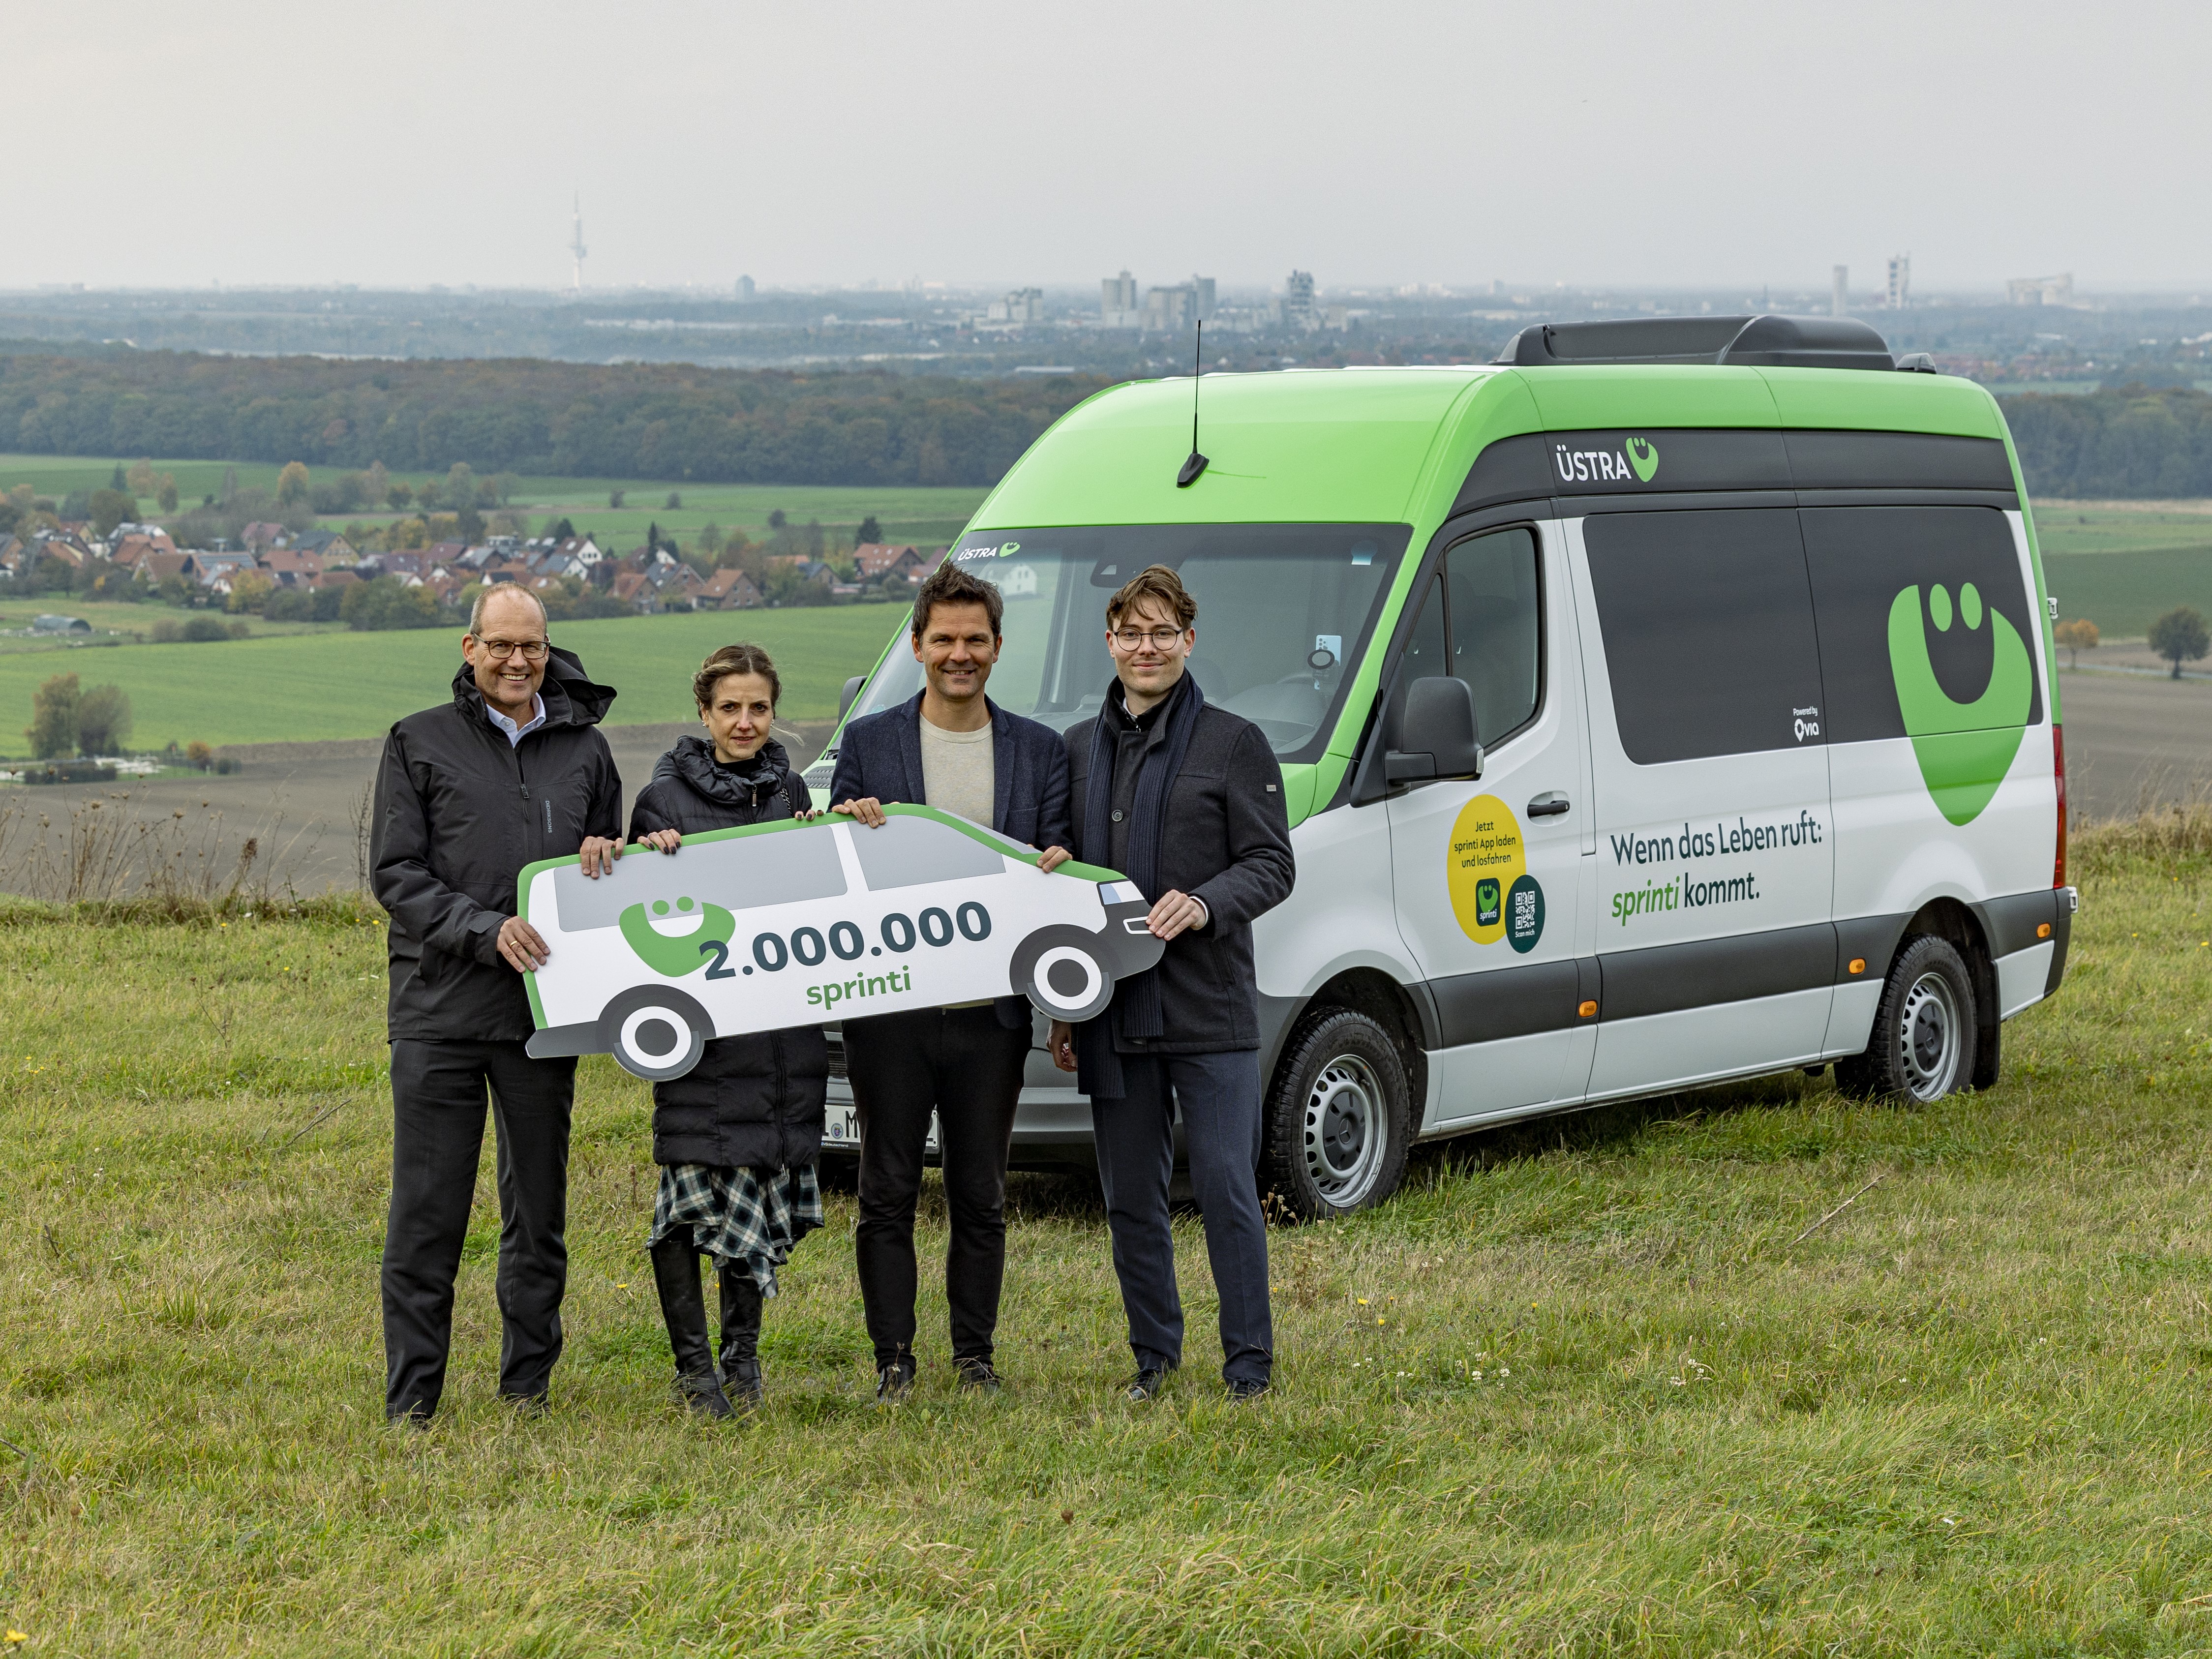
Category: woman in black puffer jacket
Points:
column 738, row 1136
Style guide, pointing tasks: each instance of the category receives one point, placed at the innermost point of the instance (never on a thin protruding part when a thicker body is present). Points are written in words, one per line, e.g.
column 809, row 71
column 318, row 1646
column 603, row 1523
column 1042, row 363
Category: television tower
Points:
column 576, row 245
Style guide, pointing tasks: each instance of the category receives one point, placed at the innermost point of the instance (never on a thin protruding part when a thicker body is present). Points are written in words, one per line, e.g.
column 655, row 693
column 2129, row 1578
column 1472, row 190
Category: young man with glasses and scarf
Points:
column 511, row 770
column 1186, row 800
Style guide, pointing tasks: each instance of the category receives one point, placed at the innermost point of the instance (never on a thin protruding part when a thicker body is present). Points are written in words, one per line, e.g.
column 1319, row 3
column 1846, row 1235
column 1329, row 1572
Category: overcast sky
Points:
column 411, row 142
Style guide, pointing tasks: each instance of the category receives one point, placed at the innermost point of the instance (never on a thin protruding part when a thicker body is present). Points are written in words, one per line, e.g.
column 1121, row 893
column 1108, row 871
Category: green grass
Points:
column 2064, row 528
column 2122, row 592
column 127, row 619
column 1584, row 1388
column 342, row 684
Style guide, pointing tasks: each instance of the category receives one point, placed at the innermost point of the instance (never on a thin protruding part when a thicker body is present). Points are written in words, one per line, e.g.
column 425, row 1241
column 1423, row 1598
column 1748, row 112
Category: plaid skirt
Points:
column 743, row 1216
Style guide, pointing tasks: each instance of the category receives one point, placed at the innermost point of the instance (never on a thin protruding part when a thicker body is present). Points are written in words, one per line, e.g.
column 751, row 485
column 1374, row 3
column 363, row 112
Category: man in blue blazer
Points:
column 952, row 748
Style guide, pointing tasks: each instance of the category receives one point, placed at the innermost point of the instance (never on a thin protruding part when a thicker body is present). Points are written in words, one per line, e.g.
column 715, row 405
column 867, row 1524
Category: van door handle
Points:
column 1547, row 805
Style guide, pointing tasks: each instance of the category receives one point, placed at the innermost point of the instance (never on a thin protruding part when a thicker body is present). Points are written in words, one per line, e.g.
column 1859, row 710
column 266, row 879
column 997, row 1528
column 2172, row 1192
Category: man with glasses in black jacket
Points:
column 1187, row 799
column 512, row 770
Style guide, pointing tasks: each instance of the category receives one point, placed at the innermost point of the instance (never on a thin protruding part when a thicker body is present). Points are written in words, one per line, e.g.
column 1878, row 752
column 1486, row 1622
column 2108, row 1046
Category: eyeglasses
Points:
column 500, row 650
column 1135, row 639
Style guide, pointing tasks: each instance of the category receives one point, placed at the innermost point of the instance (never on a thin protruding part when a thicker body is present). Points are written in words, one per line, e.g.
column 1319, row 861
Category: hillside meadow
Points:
column 332, row 684
column 1756, row 1369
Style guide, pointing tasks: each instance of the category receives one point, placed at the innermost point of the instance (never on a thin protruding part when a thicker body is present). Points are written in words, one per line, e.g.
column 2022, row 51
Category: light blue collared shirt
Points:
column 515, row 733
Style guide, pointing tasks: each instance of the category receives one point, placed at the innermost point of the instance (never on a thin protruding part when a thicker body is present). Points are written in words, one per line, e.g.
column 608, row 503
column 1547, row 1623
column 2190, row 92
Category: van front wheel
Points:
column 1924, row 1027
column 1339, row 1119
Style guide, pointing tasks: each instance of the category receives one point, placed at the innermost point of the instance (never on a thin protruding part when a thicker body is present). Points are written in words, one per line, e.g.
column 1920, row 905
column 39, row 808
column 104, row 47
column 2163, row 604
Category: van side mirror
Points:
column 1437, row 737
column 852, row 690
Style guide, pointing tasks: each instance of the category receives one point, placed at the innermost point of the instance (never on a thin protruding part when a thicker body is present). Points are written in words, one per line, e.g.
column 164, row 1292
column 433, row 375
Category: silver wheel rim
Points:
column 1343, row 1131
column 1927, row 1037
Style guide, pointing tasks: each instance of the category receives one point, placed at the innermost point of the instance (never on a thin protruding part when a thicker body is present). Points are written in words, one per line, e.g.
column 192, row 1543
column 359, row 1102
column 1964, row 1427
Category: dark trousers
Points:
column 438, row 1092
column 964, row 1064
column 1135, row 1137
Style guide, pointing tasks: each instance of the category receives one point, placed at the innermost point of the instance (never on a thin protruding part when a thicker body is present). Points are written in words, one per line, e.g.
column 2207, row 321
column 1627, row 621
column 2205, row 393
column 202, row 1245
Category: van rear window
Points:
column 1966, row 567
column 1708, row 625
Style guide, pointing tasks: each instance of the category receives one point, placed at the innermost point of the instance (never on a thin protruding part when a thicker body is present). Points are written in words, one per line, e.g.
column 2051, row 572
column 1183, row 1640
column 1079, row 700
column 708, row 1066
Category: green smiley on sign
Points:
column 673, row 956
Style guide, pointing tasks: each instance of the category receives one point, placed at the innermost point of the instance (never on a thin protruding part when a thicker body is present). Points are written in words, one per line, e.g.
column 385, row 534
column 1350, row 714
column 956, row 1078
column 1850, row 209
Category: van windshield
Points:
column 1284, row 614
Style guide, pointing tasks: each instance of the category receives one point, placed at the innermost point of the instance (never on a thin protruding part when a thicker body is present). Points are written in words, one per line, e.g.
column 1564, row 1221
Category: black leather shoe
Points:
column 978, row 1376
column 742, row 1386
column 1246, row 1389
column 528, row 1405
column 895, row 1382
column 1148, row 1383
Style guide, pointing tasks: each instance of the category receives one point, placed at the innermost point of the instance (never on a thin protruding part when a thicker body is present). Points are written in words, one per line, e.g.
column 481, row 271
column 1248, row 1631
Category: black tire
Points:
column 1340, row 1117
column 838, row 1172
column 1051, row 985
column 1924, row 1027
column 637, row 1043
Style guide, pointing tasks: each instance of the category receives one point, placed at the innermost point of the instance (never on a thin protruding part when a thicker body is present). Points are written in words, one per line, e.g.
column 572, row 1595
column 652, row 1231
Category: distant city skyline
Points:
column 1729, row 145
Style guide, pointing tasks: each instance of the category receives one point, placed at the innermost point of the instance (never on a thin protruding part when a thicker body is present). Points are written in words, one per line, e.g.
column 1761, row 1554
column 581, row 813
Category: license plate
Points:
column 844, row 1129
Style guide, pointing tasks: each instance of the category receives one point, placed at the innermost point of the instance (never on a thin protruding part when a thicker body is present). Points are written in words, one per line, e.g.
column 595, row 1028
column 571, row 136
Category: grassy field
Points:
column 125, row 619
column 1600, row 1385
column 2123, row 593
column 905, row 512
column 2120, row 527
column 344, row 685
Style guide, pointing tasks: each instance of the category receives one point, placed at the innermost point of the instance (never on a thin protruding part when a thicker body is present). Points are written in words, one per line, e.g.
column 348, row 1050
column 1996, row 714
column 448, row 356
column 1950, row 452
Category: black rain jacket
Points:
column 759, row 1100
column 458, row 813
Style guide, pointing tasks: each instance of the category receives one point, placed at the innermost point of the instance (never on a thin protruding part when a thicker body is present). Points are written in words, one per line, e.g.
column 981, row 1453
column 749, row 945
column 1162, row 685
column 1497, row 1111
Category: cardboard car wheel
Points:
column 1063, row 971
column 654, row 1031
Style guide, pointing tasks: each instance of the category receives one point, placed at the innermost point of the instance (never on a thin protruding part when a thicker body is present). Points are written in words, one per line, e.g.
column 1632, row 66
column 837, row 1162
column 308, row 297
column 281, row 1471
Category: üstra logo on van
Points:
column 1638, row 461
column 674, row 955
column 1965, row 749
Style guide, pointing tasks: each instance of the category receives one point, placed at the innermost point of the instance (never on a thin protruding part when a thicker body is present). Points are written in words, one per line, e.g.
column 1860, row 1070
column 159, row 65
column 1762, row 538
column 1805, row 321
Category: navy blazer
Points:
column 880, row 756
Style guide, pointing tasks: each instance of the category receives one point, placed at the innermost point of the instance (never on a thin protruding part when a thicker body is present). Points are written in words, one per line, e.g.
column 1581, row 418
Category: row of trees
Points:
column 2123, row 443
column 668, row 421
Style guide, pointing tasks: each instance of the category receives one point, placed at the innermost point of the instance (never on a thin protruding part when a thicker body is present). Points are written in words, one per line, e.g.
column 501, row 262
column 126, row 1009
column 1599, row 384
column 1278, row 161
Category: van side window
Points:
column 1963, row 570
column 1707, row 626
column 1494, row 627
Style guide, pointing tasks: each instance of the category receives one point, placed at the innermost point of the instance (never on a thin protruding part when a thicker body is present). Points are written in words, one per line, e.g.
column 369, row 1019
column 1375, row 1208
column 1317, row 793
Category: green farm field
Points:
column 332, row 684
column 1637, row 1380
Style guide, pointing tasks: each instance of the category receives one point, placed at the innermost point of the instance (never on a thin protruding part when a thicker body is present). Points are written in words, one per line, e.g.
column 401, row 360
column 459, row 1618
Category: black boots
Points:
column 741, row 1328
column 683, row 1305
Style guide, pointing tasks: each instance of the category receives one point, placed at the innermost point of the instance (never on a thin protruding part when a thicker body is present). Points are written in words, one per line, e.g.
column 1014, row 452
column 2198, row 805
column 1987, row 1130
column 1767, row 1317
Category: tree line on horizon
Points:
column 516, row 416
column 771, row 425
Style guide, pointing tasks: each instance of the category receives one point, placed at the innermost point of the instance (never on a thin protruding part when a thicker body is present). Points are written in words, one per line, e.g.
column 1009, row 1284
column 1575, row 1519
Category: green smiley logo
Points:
column 672, row 956
column 1644, row 456
column 1965, row 749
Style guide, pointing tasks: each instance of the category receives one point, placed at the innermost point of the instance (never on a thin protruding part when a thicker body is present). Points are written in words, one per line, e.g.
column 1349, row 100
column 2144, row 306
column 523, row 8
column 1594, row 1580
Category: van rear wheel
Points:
column 1339, row 1118
column 1924, row 1027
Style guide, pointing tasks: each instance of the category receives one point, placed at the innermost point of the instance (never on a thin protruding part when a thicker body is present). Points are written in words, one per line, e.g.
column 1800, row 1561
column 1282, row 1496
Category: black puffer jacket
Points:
column 755, row 1100
column 458, row 813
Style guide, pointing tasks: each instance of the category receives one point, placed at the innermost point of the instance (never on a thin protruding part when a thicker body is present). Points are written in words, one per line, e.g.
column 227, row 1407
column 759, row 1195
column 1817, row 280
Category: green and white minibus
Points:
column 1670, row 700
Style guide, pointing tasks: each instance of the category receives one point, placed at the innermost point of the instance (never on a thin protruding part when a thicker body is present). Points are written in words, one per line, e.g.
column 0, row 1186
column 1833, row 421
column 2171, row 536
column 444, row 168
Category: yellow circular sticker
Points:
column 1484, row 859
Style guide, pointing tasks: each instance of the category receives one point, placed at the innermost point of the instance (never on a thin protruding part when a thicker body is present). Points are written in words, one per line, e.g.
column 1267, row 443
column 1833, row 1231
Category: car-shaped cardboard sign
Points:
column 793, row 924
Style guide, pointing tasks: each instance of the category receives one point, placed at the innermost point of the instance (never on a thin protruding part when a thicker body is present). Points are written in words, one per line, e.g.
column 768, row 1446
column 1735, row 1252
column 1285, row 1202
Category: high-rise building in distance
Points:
column 1298, row 301
column 1900, row 282
column 1117, row 301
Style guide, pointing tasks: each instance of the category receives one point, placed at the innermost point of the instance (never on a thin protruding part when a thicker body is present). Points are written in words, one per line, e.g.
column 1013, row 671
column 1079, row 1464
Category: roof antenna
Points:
column 1196, row 464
